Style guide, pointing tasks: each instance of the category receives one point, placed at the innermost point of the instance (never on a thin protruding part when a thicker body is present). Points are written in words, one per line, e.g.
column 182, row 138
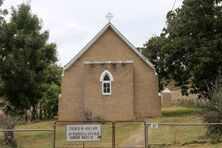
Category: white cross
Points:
column 109, row 16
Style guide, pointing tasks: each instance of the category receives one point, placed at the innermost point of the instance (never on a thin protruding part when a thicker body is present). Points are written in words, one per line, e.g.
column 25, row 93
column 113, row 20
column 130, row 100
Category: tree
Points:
column 49, row 101
column 3, row 12
column 53, row 74
column 48, row 105
column 153, row 51
column 191, row 45
column 25, row 55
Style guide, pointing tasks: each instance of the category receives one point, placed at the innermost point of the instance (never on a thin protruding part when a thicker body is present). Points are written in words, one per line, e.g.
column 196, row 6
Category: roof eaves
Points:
column 132, row 46
column 73, row 60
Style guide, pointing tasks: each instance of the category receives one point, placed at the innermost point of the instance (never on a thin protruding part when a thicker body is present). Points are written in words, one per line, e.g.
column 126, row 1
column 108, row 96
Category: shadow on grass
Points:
column 176, row 111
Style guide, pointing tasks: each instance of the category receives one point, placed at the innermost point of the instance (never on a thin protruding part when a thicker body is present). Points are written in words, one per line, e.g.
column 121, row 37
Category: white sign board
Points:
column 154, row 125
column 83, row 132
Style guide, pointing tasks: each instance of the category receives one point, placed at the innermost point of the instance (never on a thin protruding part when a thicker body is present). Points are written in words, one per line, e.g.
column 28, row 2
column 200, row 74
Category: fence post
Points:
column 146, row 134
column 54, row 134
column 113, row 135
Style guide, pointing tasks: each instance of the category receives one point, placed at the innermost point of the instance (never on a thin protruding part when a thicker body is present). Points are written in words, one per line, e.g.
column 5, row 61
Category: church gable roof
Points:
column 67, row 66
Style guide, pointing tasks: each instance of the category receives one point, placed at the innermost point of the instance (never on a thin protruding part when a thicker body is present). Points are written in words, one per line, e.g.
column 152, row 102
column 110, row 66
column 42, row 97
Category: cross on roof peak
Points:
column 109, row 16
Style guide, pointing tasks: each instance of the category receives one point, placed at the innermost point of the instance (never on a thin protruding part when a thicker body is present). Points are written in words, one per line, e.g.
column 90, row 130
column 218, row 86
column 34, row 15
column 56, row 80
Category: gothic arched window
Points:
column 106, row 78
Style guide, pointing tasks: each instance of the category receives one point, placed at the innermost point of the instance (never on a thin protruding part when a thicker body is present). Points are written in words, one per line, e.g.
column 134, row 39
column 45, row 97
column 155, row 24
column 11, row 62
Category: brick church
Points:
column 109, row 79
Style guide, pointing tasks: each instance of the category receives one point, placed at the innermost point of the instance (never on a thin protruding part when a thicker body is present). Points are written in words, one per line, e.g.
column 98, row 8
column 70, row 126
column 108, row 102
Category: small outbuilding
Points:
column 166, row 97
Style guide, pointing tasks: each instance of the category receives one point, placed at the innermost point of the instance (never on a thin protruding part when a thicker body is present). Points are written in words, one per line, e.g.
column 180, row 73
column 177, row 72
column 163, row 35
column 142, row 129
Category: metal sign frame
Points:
column 97, row 140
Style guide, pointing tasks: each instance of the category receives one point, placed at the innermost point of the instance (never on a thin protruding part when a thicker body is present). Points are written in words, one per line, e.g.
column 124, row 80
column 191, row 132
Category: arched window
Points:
column 106, row 78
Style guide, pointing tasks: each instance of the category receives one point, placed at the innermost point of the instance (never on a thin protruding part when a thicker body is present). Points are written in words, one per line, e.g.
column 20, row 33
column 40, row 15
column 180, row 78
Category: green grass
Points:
column 174, row 136
column 43, row 139
column 180, row 136
column 176, row 111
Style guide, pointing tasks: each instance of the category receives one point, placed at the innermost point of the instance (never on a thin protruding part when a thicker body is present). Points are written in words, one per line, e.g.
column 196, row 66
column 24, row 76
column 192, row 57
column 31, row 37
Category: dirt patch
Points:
column 136, row 140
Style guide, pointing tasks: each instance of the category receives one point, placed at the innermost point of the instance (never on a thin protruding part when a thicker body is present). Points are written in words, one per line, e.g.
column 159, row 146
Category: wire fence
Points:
column 113, row 135
column 26, row 138
column 130, row 134
column 178, row 134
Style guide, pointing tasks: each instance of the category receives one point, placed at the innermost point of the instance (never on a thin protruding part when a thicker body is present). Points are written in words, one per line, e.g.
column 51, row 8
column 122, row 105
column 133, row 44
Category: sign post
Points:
column 83, row 132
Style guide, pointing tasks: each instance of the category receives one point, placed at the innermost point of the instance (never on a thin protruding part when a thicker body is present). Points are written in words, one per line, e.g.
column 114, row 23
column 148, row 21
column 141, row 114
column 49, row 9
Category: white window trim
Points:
column 110, row 84
column 106, row 72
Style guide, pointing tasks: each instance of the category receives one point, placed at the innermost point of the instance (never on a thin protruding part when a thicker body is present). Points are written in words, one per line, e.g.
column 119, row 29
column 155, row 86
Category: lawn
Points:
column 164, row 136
column 38, row 139
column 179, row 136
column 43, row 139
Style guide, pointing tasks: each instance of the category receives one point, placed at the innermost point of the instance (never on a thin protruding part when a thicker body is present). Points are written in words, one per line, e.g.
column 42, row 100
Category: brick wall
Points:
column 166, row 99
column 118, row 105
column 109, row 47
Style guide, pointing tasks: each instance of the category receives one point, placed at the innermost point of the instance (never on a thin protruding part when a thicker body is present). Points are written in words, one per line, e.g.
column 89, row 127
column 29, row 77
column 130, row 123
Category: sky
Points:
column 73, row 23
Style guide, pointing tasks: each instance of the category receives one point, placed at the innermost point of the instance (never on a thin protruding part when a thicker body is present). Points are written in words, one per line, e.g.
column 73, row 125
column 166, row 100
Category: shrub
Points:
column 213, row 113
column 8, row 123
column 49, row 101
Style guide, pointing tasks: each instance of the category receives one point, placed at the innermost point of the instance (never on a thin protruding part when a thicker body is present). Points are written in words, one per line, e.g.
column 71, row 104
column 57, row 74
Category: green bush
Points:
column 49, row 101
column 213, row 114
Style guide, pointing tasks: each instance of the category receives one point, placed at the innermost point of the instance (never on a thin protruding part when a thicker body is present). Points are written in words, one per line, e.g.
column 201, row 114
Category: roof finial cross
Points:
column 109, row 16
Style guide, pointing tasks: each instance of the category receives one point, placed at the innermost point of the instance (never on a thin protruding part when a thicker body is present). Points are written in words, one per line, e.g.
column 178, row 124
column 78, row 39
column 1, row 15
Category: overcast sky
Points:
column 73, row 23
